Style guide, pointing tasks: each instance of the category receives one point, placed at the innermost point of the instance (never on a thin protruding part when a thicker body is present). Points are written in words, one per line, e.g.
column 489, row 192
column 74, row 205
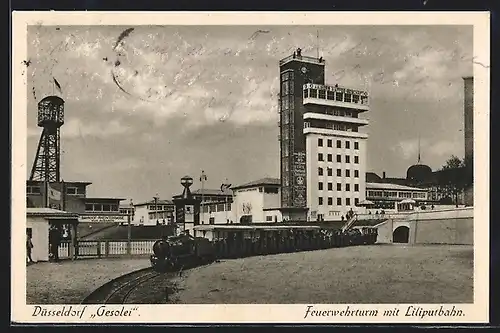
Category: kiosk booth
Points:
column 405, row 205
column 46, row 225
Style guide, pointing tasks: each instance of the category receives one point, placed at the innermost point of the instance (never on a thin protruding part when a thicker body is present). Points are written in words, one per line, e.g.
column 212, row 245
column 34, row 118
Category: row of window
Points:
column 339, row 172
column 208, row 198
column 339, row 187
column 101, row 208
column 335, row 96
column 334, row 126
column 329, row 158
column 69, row 190
column 287, row 88
column 217, row 208
column 333, row 111
column 339, row 144
column 33, row 190
column 396, row 194
column 75, row 190
column 160, row 207
column 287, row 117
column 160, row 215
column 287, row 103
column 287, row 76
column 339, row 201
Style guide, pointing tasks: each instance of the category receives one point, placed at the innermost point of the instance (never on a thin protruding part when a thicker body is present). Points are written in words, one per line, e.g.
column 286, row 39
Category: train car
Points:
column 180, row 251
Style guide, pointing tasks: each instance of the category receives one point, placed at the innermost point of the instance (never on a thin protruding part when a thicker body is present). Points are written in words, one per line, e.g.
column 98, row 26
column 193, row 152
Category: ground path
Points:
column 69, row 282
column 358, row 274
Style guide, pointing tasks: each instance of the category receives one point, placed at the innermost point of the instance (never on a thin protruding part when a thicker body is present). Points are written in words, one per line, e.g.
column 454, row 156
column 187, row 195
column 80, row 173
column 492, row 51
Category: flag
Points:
column 58, row 86
column 203, row 177
column 54, row 194
column 225, row 187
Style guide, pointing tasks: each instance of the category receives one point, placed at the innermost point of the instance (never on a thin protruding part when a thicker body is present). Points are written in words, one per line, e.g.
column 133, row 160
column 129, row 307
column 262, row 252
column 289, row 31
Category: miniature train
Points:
column 178, row 251
column 185, row 250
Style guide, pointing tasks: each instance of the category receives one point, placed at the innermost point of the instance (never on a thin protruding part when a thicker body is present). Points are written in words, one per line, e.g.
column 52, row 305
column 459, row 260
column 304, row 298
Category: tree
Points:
column 452, row 178
column 453, row 163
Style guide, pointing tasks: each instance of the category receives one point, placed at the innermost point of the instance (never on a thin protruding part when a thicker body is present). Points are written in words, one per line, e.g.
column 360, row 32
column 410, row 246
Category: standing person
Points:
column 29, row 247
column 54, row 240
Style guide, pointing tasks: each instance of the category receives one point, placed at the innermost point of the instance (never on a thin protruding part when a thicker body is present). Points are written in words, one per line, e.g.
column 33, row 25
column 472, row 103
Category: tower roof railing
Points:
column 335, row 88
column 313, row 60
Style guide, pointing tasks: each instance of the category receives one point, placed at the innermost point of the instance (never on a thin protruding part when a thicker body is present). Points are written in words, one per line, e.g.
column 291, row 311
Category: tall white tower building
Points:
column 335, row 149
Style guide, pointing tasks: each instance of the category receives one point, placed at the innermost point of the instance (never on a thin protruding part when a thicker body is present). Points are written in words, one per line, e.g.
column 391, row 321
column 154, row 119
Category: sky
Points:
column 147, row 105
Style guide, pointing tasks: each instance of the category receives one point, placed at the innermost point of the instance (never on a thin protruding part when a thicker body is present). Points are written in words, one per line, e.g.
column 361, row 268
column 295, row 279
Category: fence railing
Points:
column 107, row 248
column 271, row 242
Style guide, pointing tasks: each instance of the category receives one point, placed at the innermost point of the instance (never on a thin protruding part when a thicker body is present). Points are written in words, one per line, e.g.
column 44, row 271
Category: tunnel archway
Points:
column 401, row 235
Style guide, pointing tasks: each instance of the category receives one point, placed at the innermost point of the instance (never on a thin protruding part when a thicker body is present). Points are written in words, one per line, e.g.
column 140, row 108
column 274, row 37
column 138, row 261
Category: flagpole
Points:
column 47, row 194
column 317, row 42
column 225, row 208
column 63, row 194
column 202, row 178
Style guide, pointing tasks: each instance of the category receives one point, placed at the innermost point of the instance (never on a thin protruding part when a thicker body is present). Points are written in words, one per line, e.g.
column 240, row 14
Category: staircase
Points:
column 349, row 223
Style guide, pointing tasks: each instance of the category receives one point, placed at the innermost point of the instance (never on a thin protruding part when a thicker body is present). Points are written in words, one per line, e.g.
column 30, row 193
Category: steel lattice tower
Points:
column 46, row 166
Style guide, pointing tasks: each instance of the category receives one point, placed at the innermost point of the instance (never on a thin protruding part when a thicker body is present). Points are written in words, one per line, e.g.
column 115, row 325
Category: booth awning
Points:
column 51, row 213
column 408, row 201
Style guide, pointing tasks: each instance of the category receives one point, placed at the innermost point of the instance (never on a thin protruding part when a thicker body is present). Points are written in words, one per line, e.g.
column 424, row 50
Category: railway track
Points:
column 118, row 290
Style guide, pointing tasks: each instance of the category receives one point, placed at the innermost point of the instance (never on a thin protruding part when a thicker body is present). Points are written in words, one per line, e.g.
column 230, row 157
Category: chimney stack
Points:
column 383, row 175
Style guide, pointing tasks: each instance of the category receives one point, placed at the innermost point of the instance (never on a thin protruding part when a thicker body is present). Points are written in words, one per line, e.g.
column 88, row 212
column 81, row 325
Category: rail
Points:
column 119, row 289
column 106, row 248
column 302, row 58
column 383, row 216
column 349, row 223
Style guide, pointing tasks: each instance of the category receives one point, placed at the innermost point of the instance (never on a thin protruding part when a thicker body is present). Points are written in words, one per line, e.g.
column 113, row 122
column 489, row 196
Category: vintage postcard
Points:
column 250, row 167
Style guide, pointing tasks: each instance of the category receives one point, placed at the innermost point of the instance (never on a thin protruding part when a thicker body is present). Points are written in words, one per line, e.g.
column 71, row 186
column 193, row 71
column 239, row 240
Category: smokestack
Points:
column 469, row 119
column 383, row 175
column 469, row 138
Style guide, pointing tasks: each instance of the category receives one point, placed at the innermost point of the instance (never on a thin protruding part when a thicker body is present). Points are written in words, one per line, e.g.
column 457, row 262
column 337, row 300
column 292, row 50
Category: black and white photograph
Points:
column 245, row 163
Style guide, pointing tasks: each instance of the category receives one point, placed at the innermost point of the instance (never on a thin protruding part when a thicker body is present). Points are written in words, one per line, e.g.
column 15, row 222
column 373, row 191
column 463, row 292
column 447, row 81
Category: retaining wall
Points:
column 449, row 226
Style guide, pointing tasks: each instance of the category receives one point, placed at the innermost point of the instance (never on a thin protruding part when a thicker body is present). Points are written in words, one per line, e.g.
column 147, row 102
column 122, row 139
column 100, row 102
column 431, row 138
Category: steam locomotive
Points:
column 178, row 251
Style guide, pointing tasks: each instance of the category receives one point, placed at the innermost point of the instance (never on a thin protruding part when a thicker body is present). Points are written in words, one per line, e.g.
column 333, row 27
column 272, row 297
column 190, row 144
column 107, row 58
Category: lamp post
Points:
column 203, row 178
column 225, row 186
column 129, row 228
column 156, row 207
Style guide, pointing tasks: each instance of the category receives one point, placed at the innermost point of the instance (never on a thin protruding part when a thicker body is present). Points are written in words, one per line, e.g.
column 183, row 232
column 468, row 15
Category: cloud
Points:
column 207, row 97
column 407, row 148
column 33, row 132
column 444, row 148
column 75, row 128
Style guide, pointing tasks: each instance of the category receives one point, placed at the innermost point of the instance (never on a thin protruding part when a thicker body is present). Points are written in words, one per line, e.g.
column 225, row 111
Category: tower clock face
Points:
column 303, row 70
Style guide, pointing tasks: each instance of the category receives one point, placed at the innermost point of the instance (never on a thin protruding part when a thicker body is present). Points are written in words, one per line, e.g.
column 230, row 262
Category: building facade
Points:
column 218, row 212
column 254, row 202
column 295, row 71
column 153, row 212
column 323, row 154
column 72, row 197
column 257, row 201
column 335, row 150
column 216, row 205
column 386, row 195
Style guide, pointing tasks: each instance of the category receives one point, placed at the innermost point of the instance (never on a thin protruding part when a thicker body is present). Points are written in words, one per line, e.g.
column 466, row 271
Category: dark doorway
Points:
column 246, row 219
column 401, row 235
